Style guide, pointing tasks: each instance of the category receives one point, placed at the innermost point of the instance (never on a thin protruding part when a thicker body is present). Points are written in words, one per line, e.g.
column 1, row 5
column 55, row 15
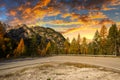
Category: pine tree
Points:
column 43, row 52
column 96, row 43
column 53, row 49
column 20, row 48
column 35, row 45
column 48, row 47
column 118, row 42
column 91, row 48
column 2, row 41
column 78, row 39
column 9, row 47
column 66, row 46
column 84, row 46
column 73, row 47
column 103, row 40
column 103, row 32
column 96, row 36
column 43, row 43
column 112, row 38
column 2, row 30
column 78, row 44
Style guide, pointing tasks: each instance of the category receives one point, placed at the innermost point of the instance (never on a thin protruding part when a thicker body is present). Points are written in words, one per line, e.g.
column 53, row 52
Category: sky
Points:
column 70, row 17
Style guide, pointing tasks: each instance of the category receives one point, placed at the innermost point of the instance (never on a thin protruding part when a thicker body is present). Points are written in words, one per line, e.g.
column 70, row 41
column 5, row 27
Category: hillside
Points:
column 34, row 40
column 23, row 31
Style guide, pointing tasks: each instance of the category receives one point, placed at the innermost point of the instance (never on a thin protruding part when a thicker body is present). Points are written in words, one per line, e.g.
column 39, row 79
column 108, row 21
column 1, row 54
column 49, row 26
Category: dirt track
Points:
column 14, row 65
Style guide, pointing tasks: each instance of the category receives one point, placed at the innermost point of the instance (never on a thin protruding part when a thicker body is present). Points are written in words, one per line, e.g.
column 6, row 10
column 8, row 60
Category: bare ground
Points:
column 62, row 71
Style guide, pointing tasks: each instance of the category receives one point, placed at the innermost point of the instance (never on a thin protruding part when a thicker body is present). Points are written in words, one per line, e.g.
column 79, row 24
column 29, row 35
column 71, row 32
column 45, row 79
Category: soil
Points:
column 62, row 71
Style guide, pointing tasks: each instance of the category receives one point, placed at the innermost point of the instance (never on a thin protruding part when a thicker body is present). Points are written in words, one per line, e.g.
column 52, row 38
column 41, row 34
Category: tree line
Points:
column 104, row 43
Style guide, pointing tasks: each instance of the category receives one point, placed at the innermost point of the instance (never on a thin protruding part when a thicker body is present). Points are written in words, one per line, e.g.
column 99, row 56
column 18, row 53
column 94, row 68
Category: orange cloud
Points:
column 70, row 30
column 97, row 15
column 12, row 13
column 75, row 16
column 52, row 12
column 107, row 9
column 115, row 2
column 45, row 2
column 85, row 19
column 34, row 13
column 42, row 3
column 106, row 21
column 45, row 8
column 27, row 11
column 64, row 15
column 20, row 8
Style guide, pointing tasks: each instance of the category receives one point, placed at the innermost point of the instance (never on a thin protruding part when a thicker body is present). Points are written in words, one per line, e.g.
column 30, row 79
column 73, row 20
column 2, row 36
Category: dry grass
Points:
column 44, row 66
column 79, row 65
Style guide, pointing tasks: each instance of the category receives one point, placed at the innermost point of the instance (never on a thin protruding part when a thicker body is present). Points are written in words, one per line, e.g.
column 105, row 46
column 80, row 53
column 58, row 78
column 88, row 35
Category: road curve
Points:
column 14, row 65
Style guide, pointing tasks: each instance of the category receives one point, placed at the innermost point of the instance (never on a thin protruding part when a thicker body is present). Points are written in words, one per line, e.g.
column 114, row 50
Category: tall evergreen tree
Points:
column 20, row 48
column 78, row 44
column 2, row 30
column 66, row 46
column 118, row 42
column 78, row 39
column 47, row 48
column 32, row 48
column 103, row 40
column 96, row 42
column 103, row 32
column 112, row 38
column 73, row 47
column 96, row 36
column 2, row 46
column 84, row 46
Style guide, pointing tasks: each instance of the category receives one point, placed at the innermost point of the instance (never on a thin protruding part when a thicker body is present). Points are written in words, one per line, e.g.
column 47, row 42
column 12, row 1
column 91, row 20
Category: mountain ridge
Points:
column 25, row 32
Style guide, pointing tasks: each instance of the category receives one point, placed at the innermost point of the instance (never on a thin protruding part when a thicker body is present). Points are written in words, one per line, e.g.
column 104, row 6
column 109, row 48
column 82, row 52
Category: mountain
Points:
column 5, row 26
column 50, row 34
column 22, row 40
column 25, row 32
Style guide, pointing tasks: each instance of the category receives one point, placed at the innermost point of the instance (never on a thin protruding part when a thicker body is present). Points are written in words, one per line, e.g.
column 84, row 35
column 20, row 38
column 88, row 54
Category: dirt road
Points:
column 14, row 65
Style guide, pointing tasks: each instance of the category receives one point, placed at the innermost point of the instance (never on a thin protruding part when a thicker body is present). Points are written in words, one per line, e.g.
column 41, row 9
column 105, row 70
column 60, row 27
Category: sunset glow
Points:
column 70, row 17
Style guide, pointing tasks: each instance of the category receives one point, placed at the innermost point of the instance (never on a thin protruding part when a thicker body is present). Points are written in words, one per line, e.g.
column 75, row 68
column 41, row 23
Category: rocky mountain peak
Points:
column 25, row 32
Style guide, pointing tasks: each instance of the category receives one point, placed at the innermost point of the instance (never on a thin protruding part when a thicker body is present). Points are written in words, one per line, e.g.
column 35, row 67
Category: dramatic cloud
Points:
column 90, row 4
column 106, row 21
column 26, row 10
column 97, row 15
column 65, row 16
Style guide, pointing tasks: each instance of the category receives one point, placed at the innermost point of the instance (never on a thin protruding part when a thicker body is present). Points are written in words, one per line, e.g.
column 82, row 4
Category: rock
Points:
column 25, row 32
